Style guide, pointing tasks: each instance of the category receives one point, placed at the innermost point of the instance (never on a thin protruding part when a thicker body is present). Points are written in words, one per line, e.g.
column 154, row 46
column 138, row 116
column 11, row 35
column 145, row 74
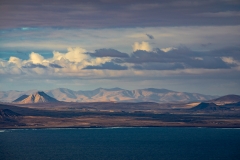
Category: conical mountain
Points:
column 21, row 98
column 38, row 97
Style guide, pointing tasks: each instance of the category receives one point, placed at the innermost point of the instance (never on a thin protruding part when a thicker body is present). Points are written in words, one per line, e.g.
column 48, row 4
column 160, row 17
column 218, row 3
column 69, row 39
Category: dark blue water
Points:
column 121, row 143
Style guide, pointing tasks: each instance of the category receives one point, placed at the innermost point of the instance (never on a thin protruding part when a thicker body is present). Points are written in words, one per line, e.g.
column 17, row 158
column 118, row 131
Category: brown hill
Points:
column 206, row 106
column 38, row 97
column 228, row 99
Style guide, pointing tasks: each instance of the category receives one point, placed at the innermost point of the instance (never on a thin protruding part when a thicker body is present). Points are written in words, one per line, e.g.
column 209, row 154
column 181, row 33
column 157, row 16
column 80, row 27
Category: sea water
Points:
column 164, row 143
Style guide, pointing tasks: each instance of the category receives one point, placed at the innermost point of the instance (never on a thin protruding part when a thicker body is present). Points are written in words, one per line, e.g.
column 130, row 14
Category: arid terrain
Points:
column 109, row 114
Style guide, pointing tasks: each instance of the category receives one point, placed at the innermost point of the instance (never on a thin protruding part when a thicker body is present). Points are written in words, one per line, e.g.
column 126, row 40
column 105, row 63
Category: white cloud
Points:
column 36, row 58
column 229, row 60
column 15, row 60
column 76, row 54
column 70, row 63
column 73, row 55
column 168, row 49
column 141, row 46
column 198, row 58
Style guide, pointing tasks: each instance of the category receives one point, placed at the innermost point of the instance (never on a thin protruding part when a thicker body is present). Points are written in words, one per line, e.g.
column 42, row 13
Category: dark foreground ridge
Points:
column 7, row 113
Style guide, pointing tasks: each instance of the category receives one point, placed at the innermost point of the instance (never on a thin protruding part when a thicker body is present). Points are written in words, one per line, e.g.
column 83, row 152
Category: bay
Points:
column 165, row 143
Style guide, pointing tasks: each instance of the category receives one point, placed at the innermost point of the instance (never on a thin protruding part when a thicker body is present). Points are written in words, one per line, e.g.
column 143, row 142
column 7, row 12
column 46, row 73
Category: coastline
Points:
column 116, row 127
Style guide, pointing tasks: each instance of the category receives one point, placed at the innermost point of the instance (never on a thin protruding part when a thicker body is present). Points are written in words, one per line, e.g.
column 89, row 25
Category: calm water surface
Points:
column 121, row 143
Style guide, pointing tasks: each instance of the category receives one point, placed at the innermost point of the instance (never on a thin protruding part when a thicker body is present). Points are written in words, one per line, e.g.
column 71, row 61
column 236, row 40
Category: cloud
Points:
column 230, row 60
column 76, row 54
column 141, row 68
column 167, row 49
column 141, row 46
column 108, row 66
column 227, row 52
column 55, row 65
column 77, row 63
column 121, row 39
column 158, row 66
column 32, row 65
column 150, row 36
column 107, row 53
column 36, row 58
column 208, row 63
column 178, row 58
column 95, row 14
column 221, row 14
column 15, row 60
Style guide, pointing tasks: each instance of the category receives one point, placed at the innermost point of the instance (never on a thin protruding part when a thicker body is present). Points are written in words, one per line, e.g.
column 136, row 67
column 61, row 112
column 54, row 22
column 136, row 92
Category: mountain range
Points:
column 111, row 95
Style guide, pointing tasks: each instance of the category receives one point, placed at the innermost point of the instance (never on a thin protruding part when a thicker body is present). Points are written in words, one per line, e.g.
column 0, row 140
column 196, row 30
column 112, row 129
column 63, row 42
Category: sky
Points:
column 181, row 45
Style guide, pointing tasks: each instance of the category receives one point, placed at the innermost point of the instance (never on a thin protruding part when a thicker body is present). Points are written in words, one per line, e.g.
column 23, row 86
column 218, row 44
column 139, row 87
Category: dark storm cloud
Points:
column 103, row 14
column 141, row 56
column 108, row 66
column 208, row 63
column 181, row 58
column 107, row 53
column 53, row 65
column 150, row 36
column 31, row 65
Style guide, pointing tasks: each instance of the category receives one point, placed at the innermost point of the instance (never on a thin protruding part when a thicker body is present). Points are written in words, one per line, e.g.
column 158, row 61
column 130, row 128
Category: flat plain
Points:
column 109, row 114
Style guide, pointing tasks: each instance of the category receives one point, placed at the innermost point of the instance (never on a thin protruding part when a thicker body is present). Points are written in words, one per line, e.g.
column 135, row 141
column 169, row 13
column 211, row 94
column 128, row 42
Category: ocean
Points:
column 163, row 143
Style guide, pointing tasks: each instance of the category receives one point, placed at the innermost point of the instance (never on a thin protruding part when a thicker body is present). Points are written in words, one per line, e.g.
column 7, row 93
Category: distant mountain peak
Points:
column 158, row 90
column 38, row 97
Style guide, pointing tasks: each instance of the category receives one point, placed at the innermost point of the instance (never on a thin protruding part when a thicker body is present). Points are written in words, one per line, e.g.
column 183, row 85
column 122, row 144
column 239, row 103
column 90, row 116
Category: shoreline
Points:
column 119, row 127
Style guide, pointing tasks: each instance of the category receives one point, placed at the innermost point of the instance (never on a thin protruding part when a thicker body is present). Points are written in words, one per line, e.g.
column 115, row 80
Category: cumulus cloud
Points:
column 109, row 62
column 36, row 58
column 74, row 55
column 141, row 46
column 15, row 60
